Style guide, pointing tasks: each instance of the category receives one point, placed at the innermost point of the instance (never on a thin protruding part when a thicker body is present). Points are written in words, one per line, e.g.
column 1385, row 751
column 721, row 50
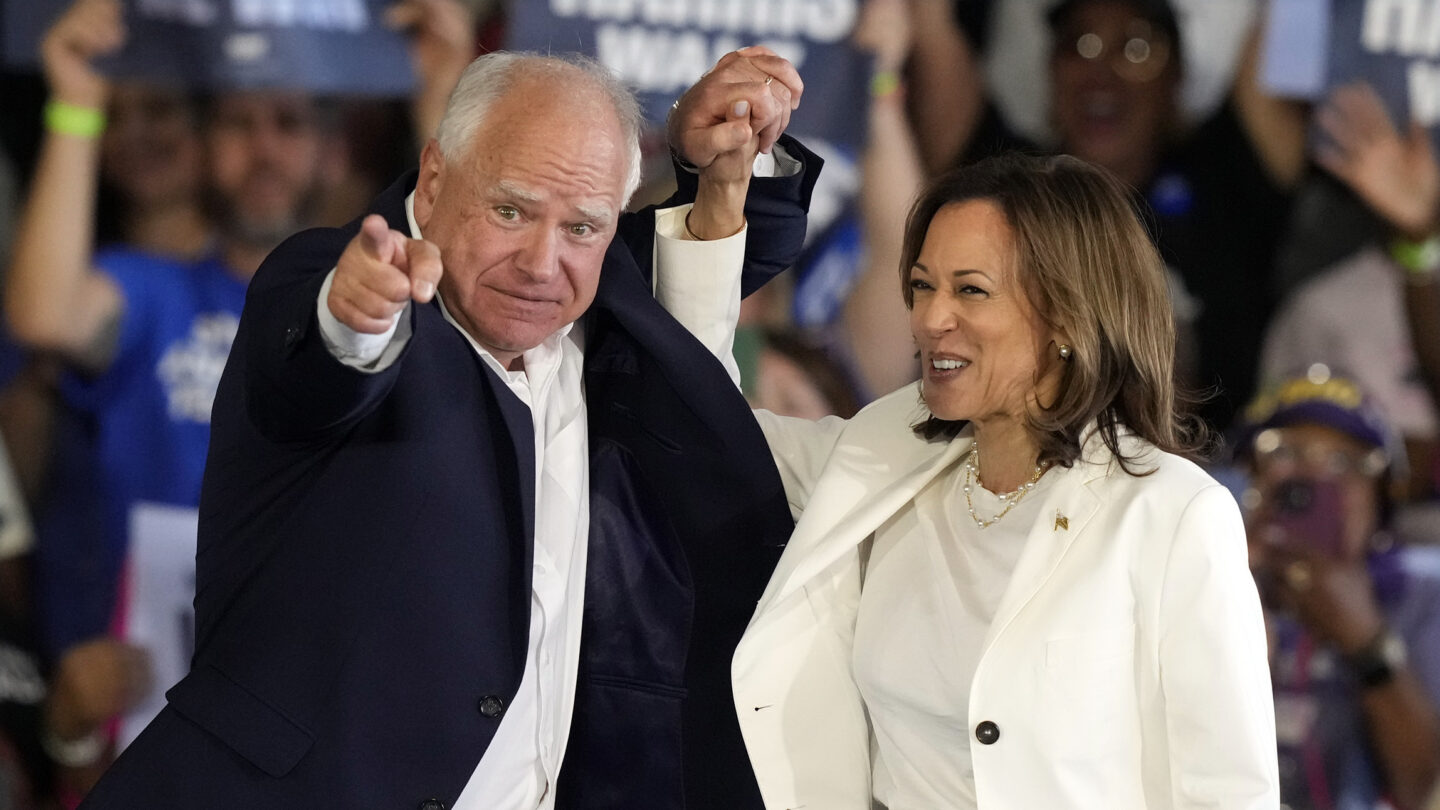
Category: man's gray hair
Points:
column 492, row 75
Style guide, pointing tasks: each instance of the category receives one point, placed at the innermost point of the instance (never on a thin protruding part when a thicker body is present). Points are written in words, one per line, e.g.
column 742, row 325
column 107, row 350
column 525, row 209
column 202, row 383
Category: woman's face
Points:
column 980, row 340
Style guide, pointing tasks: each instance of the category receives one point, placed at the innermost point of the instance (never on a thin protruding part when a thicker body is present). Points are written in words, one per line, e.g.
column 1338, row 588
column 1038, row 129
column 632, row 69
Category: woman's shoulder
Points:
column 901, row 405
column 1141, row 466
column 885, row 429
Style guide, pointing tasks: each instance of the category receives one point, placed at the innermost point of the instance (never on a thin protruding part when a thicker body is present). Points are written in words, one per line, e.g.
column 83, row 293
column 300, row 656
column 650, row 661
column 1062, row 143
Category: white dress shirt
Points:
column 522, row 762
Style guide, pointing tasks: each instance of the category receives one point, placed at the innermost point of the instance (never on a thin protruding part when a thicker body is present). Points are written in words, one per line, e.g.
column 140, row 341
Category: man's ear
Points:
column 427, row 186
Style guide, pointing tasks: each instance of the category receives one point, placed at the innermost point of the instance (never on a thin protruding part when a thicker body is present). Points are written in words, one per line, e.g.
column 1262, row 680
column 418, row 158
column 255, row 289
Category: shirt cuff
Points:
column 778, row 163
column 361, row 350
column 698, row 282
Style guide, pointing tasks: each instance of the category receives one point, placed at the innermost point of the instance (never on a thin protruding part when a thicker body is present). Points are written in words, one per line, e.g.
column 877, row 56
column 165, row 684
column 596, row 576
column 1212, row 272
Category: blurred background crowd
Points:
column 1302, row 238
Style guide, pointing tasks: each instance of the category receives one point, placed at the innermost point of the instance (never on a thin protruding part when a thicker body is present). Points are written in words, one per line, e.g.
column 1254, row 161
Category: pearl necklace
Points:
column 1010, row 499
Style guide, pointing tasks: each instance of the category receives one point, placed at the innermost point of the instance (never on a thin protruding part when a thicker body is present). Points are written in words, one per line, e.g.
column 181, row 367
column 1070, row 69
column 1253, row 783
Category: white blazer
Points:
column 1125, row 668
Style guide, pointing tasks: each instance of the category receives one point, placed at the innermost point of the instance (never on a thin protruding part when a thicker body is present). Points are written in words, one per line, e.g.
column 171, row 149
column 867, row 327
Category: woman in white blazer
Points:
column 1065, row 620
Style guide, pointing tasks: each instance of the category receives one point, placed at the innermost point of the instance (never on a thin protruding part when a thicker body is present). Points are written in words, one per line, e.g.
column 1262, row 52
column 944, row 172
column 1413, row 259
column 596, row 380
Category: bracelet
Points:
column 71, row 119
column 80, row 753
column 884, row 83
column 1420, row 259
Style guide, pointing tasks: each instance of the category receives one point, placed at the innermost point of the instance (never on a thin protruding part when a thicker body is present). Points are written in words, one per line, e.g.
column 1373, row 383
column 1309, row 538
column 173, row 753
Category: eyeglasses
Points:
column 1275, row 456
column 1139, row 55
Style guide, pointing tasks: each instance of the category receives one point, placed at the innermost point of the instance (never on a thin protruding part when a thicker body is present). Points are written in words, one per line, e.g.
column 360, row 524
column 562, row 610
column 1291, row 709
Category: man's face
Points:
column 151, row 148
column 265, row 154
column 524, row 217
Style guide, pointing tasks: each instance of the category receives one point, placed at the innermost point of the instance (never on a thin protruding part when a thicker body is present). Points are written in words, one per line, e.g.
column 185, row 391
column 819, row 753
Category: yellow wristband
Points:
column 69, row 119
column 884, row 83
column 1420, row 259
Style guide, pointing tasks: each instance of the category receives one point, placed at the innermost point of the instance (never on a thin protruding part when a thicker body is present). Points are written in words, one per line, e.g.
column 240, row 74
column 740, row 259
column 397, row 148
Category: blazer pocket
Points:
column 1088, row 707
column 1090, row 650
column 241, row 719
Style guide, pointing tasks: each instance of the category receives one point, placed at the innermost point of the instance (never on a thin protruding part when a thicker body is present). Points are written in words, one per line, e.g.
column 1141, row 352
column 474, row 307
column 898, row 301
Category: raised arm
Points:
column 1397, row 175
column 442, row 43
column 946, row 87
column 1275, row 126
column 55, row 298
column 775, row 206
column 875, row 319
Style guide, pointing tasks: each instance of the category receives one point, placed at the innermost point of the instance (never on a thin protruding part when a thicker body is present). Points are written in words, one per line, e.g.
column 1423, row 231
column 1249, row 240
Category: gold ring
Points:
column 769, row 79
column 1297, row 576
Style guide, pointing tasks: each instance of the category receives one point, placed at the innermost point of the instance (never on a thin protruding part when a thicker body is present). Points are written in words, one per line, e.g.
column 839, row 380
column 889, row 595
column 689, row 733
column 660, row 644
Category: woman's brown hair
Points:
column 1090, row 269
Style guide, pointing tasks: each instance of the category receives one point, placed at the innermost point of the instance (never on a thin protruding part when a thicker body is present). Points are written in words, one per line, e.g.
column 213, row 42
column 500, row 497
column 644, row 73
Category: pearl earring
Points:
column 1065, row 352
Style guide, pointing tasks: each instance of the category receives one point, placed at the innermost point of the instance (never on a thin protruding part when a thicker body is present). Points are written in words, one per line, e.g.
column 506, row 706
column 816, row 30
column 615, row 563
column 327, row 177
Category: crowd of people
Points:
column 1115, row 307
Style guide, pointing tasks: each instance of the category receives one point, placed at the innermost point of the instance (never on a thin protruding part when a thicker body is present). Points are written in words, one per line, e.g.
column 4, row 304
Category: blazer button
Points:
column 292, row 336
column 491, row 706
column 431, row 804
column 987, row 732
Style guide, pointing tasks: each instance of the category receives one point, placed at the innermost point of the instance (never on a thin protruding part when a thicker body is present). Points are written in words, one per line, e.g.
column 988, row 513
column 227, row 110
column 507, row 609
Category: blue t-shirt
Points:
column 137, row 432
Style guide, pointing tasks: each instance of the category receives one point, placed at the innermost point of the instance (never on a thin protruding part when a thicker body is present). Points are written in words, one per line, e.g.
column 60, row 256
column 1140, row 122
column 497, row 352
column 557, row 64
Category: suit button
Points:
column 491, row 706
column 431, row 804
column 987, row 732
column 292, row 335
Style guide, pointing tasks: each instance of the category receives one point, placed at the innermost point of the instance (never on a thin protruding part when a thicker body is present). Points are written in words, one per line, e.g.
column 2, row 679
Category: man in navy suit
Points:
column 453, row 533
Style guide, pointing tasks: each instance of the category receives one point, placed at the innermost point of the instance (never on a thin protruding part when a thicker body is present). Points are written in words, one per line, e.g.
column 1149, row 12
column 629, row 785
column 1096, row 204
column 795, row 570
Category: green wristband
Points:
column 884, row 83
column 70, row 119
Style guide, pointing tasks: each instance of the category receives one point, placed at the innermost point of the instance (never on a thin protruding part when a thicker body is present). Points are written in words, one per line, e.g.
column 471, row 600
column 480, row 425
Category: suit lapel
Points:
column 1065, row 513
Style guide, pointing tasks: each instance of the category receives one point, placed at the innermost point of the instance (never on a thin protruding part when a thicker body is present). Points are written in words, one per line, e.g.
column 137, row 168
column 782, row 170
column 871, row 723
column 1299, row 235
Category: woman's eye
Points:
column 918, row 284
column 971, row 289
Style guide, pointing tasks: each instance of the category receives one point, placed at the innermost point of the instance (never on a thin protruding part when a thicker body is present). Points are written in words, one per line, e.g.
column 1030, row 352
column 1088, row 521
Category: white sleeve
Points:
column 800, row 447
column 698, row 282
column 360, row 350
column 1214, row 673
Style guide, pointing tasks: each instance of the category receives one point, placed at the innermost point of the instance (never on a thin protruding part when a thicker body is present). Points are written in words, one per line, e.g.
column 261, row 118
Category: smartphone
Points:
column 1306, row 513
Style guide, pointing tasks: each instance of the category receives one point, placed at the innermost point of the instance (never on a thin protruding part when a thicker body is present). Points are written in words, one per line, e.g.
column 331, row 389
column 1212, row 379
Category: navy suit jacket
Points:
column 363, row 568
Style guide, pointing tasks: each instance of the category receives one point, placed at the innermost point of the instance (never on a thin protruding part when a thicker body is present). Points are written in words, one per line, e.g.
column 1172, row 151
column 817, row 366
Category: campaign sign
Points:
column 22, row 24
column 662, row 47
column 1394, row 45
column 323, row 46
column 160, row 586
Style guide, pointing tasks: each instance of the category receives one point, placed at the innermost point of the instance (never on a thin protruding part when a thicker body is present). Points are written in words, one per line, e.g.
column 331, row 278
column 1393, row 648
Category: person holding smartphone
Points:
column 1353, row 611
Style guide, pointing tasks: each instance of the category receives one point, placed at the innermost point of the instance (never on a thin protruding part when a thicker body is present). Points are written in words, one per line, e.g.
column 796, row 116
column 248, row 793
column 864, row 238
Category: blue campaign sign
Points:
column 22, row 24
column 1394, row 45
column 323, row 46
column 661, row 47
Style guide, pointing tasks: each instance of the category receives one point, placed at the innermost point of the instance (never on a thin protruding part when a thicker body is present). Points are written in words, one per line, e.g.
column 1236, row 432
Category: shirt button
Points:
column 987, row 732
column 491, row 706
